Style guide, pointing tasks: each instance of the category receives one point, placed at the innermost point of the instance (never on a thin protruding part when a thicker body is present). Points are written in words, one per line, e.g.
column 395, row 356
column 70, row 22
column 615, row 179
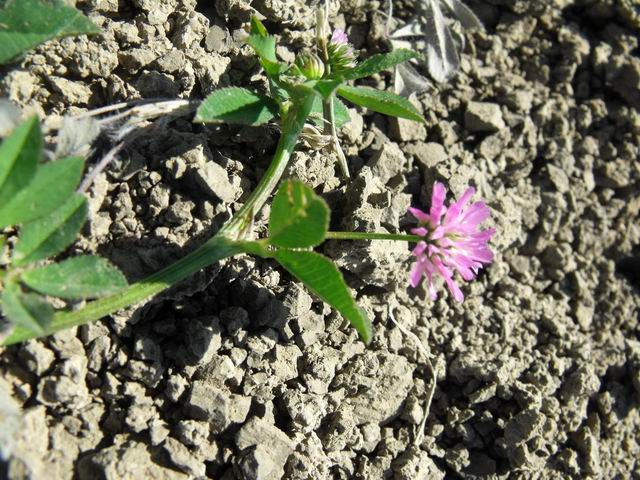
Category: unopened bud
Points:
column 310, row 65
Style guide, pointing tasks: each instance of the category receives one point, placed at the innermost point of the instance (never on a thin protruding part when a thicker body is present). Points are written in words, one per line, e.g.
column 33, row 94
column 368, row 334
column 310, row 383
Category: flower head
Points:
column 452, row 241
column 341, row 54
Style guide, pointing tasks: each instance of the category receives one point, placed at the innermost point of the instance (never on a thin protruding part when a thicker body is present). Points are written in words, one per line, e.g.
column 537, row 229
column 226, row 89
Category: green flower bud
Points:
column 310, row 65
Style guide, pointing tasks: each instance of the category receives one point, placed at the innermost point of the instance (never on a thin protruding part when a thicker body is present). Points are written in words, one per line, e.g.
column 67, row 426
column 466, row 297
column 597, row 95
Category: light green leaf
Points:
column 19, row 157
column 237, row 105
column 379, row 62
column 51, row 186
column 76, row 278
column 258, row 28
column 299, row 218
column 324, row 280
column 27, row 23
column 265, row 47
column 29, row 311
column 340, row 111
column 381, row 101
column 50, row 235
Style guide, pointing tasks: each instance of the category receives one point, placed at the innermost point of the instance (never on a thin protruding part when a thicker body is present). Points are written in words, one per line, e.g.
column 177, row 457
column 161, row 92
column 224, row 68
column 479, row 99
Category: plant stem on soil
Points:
column 372, row 236
column 223, row 245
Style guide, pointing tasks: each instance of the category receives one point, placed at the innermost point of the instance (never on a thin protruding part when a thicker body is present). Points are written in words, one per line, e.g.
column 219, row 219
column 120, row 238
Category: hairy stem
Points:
column 372, row 236
column 223, row 245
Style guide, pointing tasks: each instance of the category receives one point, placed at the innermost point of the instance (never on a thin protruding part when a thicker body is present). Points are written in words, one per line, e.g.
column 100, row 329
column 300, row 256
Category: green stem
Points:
column 372, row 236
column 223, row 245
column 296, row 117
column 212, row 251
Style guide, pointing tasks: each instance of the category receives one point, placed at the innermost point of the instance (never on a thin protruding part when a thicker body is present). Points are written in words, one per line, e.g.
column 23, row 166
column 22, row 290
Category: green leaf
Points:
column 76, row 278
column 379, row 62
column 30, row 311
column 19, row 157
column 51, row 186
column 340, row 111
column 299, row 218
column 324, row 279
column 257, row 27
column 381, row 101
column 50, row 235
column 265, row 47
column 237, row 105
column 27, row 23
column 326, row 88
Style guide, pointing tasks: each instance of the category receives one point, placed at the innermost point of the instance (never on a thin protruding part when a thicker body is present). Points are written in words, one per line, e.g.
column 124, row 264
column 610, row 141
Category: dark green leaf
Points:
column 381, row 101
column 340, row 111
column 27, row 23
column 299, row 218
column 237, row 105
column 379, row 62
column 51, row 186
column 30, row 311
column 77, row 278
column 50, row 235
column 324, row 279
column 19, row 157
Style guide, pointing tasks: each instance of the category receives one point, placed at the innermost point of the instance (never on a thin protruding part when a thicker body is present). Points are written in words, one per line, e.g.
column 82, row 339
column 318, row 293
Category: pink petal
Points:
column 419, row 214
column 448, row 278
column 416, row 275
column 437, row 202
column 476, row 214
column 420, row 231
column 339, row 37
column 419, row 249
column 456, row 207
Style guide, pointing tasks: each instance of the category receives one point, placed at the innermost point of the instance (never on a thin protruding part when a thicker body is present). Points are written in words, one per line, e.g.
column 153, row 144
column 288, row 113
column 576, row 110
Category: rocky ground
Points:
column 240, row 373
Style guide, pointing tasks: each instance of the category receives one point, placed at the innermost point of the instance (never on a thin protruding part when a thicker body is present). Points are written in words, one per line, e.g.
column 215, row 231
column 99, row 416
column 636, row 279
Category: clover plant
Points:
column 42, row 214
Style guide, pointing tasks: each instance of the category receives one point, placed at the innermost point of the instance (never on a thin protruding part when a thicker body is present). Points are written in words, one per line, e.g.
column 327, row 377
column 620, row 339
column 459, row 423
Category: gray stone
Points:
column 192, row 432
column 387, row 162
column 180, row 212
column 524, row 426
column 172, row 61
column 258, row 463
column 190, row 30
column 218, row 39
column 388, row 379
column 183, row 458
column 483, row 117
column 106, row 6
column 136, row 58
column 214, row 180
column 415, row 463
column 217, row 406
column 558, row 178
column 204, row 339
column 128, row 459
column 260, row 432
column 139, row 416
column 430, row 154
column 403, row 130
column 37, row 357
column 581, row 383
column 75, row 93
